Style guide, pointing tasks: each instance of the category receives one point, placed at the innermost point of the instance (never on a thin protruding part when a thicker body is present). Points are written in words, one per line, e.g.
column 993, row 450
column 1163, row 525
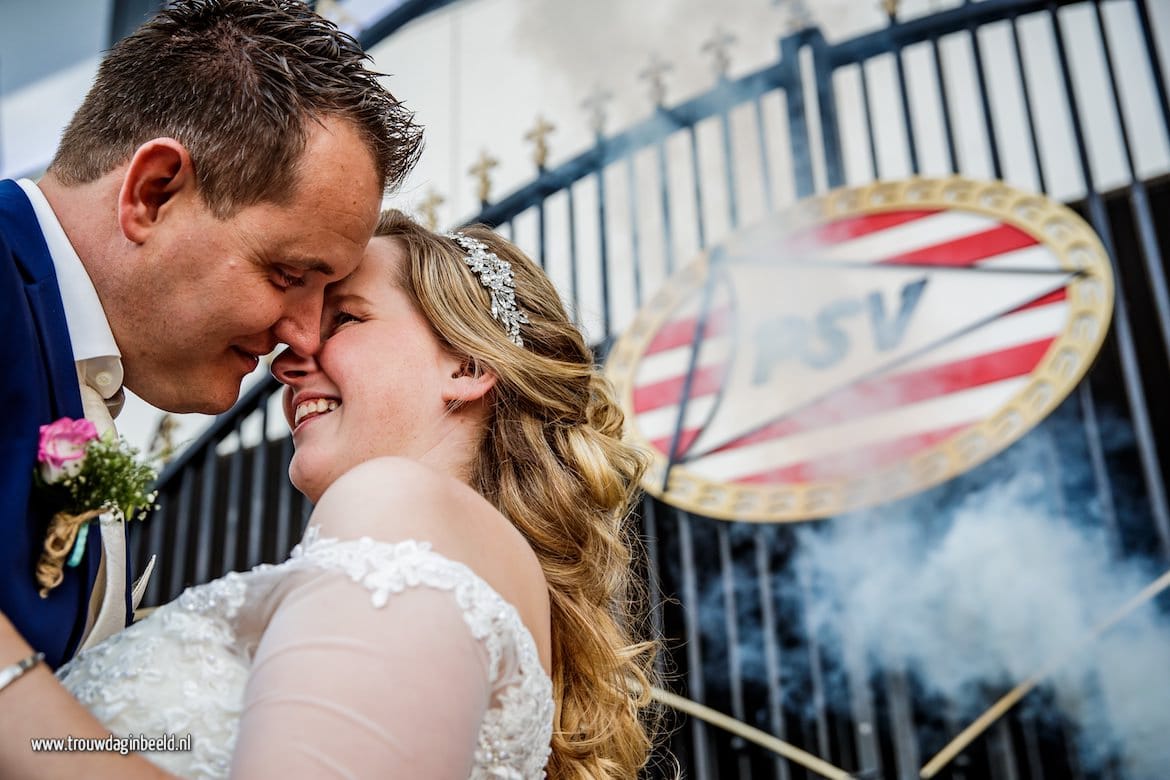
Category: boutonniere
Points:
column 93, row 476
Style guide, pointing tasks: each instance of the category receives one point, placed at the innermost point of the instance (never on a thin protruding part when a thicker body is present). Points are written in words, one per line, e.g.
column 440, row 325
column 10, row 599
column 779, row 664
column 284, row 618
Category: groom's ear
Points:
column 159, row 170
column 469, row 381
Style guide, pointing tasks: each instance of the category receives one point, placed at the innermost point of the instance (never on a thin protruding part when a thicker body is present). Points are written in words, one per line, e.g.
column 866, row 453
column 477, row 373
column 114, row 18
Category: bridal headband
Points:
column 497, row 277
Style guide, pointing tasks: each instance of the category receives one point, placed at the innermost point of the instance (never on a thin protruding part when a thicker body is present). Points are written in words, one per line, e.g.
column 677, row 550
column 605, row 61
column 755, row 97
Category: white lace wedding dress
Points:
column 376, row 660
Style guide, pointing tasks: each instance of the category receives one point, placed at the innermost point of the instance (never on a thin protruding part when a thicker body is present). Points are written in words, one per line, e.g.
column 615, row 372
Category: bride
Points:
column 460, row 604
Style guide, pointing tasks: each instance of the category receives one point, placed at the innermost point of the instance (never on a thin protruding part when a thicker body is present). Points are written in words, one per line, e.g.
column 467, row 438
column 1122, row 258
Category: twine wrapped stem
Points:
column 59, row 541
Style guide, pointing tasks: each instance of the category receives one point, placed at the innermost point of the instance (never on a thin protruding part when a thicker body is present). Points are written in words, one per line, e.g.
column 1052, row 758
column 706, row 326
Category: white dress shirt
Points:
column 94, row 348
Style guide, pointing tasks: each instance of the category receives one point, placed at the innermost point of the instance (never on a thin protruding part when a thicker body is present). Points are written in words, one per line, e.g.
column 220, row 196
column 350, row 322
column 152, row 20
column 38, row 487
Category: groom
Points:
column 228, row 162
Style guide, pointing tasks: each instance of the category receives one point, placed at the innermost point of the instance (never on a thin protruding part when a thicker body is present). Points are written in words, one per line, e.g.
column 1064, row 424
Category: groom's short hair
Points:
column 237, row 82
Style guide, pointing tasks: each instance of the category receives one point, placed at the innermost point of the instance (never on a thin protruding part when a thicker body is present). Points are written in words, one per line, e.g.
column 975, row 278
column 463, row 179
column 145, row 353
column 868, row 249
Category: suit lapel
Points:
column 35, row 265
column 44, row 298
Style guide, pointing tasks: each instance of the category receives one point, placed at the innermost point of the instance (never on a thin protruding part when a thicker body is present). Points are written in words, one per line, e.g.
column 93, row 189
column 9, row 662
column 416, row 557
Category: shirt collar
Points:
column 94, row 347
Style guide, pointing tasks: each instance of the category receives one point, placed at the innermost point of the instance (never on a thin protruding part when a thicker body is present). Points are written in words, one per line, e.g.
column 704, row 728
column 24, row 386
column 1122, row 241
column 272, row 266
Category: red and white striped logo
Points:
column 869, row 344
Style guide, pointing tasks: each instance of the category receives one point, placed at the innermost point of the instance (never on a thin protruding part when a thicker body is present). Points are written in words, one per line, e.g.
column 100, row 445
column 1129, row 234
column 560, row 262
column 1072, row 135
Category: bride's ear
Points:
column 469, row 381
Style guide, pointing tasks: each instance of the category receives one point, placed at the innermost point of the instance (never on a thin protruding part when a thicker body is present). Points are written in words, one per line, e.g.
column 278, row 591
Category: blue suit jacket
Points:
column 38, row 384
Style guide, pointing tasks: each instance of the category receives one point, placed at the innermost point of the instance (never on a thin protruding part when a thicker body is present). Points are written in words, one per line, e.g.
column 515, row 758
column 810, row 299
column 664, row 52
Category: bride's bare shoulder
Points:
column 392, row 499
column 389, row 499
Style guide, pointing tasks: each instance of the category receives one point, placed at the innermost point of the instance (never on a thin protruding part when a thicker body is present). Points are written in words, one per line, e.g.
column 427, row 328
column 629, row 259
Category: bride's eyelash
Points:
column 341, row 316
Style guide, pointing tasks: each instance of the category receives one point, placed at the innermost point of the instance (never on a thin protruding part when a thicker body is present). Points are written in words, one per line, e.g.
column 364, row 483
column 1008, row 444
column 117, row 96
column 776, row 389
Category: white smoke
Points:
column 609, row 43
column 976, row 599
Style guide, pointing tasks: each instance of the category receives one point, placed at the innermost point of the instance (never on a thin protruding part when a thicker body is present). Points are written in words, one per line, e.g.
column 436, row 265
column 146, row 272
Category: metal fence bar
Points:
column 635, row 246
column 204, row 524
column 815, row 667
column 284, row 502
column 258, row 502
column 1035, row 761
column 231, row 519
column 907, row 757
column 1000, row 753
column 985, row 102
column 731, row 627
column 765, row 165
column 1127, row 352
column 691, row 621
column 1152, row 54
column 771, row 637
column 1148, row 239
column 907, row 115
column 540, row 252
column 182, row 539
column 664, row 194
column 156, row 535
column 827, row 106
column 1101, row 479
column 875, row 163
column 1029, row 113
column 945, row 104
column 574, row 292
column 729, row 169
column 696, row 181
column 603, row 254
column 798, row 137
column 861, row 705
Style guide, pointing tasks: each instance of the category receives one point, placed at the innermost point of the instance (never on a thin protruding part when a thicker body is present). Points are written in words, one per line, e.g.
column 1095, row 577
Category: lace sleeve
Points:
column 340, row 689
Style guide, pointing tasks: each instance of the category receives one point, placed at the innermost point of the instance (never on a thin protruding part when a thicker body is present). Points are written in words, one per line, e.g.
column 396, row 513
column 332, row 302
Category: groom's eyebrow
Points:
column 310, row 264
column 341, row 298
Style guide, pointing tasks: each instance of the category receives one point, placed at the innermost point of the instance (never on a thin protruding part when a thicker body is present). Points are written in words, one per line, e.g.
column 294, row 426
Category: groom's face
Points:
column 220, row 294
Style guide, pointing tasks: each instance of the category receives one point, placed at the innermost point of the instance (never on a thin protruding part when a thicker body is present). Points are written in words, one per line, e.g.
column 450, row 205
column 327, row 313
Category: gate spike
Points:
column 482, row 173
column 538, row 136
column 719, row 44
column 655, row 73
column 594, row 103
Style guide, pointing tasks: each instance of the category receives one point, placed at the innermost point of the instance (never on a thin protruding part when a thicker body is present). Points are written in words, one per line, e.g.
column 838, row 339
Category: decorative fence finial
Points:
column 482, row 173
column 538, row 136
column 655, row 73
column 429, row 209
column 595, row 105
column 719, row 45
column 891, row 8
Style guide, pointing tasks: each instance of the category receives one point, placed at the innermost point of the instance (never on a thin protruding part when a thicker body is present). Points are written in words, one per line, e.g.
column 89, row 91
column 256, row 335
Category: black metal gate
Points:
column 1007, row 89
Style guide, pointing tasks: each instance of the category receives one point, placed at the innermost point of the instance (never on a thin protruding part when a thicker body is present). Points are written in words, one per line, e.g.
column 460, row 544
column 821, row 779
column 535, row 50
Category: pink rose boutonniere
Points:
column 93, row 476
column 62, row 448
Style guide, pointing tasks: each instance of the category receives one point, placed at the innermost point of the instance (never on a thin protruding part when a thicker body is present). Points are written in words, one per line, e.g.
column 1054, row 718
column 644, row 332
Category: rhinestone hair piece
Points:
column 497, row 277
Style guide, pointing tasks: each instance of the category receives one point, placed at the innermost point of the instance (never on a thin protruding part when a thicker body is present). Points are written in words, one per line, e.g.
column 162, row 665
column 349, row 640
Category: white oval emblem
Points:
column 860, row 347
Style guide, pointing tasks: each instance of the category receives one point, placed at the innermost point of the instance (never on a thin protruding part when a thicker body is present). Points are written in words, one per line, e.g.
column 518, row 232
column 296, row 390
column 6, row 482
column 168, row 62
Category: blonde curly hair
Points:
column 553, row 461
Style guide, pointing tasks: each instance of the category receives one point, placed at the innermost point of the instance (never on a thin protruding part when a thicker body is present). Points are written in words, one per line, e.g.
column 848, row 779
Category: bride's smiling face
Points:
column 380, row 384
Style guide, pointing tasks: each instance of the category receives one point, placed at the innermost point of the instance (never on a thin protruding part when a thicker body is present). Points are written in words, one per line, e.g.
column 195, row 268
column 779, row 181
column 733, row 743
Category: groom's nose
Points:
column 301, row 328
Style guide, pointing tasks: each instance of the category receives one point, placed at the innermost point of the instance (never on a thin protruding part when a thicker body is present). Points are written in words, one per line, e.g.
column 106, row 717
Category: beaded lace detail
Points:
column 184, row 668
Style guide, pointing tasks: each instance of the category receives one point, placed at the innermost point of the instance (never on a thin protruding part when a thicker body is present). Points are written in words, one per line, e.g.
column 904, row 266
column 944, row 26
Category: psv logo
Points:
column 863, row 346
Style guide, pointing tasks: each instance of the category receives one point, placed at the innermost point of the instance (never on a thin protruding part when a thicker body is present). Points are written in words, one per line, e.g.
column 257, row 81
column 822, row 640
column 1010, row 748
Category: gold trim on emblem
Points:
column 1090, row 305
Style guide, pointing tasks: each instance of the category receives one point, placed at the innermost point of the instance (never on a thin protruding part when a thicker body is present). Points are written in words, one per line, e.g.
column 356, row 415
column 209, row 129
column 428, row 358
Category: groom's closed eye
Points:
column 285, row 280
column 293, row 272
